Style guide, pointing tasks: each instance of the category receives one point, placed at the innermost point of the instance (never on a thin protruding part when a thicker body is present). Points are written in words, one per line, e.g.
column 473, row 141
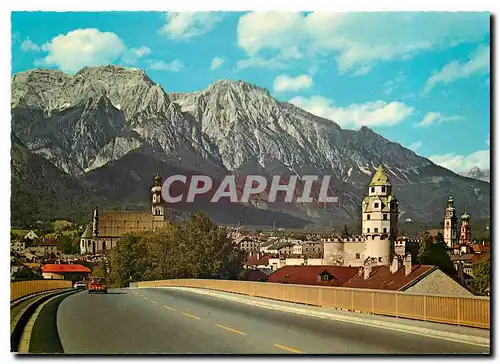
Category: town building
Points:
column 398, row 276
column 70, row 272
column 31, row 235
column 17, row 245
column 379, row 229
column 107, row 227
column 48, row 246
column 247, row 244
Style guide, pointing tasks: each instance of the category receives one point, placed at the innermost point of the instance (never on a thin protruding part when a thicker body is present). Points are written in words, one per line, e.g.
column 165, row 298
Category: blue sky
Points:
column 420, row 79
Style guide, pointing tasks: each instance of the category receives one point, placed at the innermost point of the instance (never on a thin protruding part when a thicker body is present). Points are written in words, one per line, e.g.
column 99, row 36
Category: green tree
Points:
column 434, row 254
column 25, row 273
column 196, row 248
column 66, row 244
column 481, row 275
column 424, row 247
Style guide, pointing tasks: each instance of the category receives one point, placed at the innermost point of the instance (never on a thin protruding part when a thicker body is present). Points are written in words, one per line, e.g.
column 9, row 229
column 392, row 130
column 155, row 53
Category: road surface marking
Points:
column 289, row 349
column 192, row 316
column 153, row 302
column 230, row 329
column 169, row 308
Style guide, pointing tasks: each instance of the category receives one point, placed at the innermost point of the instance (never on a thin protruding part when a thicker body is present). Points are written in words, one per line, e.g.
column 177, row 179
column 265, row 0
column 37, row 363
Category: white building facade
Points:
column 379, row 229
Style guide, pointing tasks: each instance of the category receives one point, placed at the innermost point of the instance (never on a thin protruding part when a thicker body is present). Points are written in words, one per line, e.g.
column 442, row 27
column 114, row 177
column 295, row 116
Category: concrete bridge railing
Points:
column 471, row 311
column 25, row 288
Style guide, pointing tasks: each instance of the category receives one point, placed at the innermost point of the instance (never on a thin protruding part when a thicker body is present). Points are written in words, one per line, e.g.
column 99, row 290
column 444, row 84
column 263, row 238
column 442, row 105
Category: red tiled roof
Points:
column 382, row 278
column 480, row 256
column 253, row 260
column 49, row 242
column 308, row 274
column 478, row 248
column 65, row 268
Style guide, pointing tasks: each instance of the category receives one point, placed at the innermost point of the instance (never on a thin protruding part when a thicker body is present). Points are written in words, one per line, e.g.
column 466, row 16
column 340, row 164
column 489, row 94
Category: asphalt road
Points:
column 180, row 322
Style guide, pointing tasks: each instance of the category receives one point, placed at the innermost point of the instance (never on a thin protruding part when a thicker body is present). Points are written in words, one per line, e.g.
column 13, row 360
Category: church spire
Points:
column 158, row 178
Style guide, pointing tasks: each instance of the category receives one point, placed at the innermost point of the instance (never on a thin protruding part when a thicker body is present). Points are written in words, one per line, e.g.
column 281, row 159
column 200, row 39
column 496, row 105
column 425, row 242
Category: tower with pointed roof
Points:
column 465, row 230
column 157, row 203
column 380, row 219
column 450, row 224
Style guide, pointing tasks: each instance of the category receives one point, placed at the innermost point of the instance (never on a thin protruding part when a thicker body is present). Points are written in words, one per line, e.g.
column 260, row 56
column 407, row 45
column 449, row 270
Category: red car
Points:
column 97, row 284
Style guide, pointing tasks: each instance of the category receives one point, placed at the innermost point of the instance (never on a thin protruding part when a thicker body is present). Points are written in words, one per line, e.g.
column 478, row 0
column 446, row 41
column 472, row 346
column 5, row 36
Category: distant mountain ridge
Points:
column 477, row 173
column 87, row 123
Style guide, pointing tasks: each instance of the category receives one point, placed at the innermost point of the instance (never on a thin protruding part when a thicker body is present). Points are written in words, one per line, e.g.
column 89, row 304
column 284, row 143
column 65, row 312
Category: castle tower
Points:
column 157, row 203
column 450, row 224
column 465, row 231
column 380, row 219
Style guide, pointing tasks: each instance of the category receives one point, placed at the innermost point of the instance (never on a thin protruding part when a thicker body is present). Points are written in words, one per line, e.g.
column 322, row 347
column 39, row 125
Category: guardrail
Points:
column 25, row 288
column 458, row 310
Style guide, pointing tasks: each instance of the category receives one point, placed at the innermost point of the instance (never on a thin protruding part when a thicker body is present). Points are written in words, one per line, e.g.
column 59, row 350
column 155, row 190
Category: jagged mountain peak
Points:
column 239, row 86
column 230, row 126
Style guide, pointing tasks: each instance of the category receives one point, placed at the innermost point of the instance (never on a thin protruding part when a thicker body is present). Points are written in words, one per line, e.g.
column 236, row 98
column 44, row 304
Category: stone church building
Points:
column 107, row 227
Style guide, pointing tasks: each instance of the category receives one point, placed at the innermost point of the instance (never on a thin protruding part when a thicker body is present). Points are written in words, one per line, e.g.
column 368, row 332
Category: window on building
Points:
column 357, row 255
column 384, row 216
column 447, row 223
column 376, row 230
column 368, row 217
column 379, row 259
column 383, row 188
column 372, row 189
column 376, row 204
column 367, row 230
column 385, row 230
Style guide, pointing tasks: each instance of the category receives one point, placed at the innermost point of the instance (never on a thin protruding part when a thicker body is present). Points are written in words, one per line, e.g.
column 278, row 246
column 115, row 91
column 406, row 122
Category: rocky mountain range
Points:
column 478, row 173
column 109, row 128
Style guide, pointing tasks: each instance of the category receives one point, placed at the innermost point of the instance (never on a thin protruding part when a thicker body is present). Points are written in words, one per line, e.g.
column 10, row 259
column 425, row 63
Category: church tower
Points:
column 465, row 234
column 157, row 204
column 450, row 224
column 380, row 219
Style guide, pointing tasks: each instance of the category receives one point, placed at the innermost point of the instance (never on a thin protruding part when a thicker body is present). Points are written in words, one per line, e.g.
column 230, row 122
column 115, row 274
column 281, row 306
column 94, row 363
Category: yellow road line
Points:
column 192, row 316
column 169, row 308
column 289, row 349
column 230, row 329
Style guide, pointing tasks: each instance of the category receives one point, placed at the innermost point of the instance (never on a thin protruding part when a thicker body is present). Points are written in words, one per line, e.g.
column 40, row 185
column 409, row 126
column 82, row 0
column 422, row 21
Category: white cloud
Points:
column 277, row 62
column 174, row 66
column 188, row 24
column 360, row 40
column 29, row 46
column 132, row 55
column 393, row 84
column 284, row 83
column 415, row 146
column 216, row 63
column 463, row 163
column 478, row 63
column 82, row 47
column 373, row 114
column 260, row 62
column 434, row 118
